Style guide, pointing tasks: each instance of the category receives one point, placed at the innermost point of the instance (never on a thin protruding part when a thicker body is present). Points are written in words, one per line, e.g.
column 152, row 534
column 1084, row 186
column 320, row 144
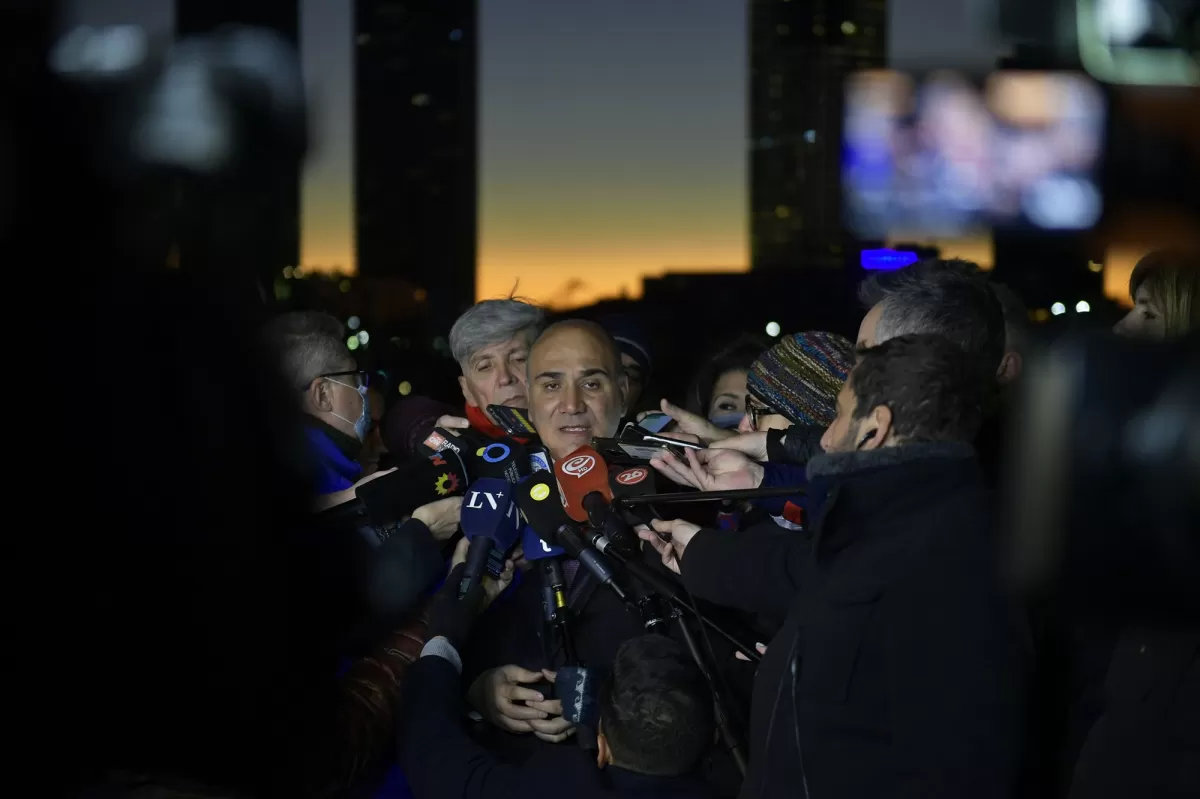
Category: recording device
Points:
column 506, row 459
column 539, row 499
column 397, row 494
column 653, row 422
column 514, row 421
column 492, row 523
column 949, row 155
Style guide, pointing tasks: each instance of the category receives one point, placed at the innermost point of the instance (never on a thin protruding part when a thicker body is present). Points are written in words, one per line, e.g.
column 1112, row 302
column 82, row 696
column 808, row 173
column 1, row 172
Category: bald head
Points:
column 577, row 388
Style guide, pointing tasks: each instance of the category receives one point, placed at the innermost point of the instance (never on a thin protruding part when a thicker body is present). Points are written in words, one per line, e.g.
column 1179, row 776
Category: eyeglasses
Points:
column 360, row 378
column 756, row 410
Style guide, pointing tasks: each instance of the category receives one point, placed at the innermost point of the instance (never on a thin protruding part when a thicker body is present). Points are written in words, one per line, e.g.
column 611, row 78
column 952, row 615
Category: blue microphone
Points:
column 492, row 523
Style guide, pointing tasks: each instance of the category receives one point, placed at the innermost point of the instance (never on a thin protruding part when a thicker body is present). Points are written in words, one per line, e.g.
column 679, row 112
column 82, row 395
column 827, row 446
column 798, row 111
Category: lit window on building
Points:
column 849, row 28
column 782, row 211
column 810, row 136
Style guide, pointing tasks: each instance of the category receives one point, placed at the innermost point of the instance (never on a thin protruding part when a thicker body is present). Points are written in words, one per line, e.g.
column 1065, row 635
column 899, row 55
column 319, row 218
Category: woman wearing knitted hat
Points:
column 797, row 381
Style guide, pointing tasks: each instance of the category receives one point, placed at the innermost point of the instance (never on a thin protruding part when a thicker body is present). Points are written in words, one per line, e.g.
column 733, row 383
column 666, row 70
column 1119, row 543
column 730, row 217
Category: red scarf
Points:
column 482, row 423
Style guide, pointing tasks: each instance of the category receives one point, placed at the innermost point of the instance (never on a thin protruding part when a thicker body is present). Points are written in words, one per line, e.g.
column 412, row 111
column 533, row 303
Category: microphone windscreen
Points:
column 504, row 459
column 638, row 481
column 539, row 500
column 580, row 474
column 536, row 547
column 489, row 511
column 416, row 483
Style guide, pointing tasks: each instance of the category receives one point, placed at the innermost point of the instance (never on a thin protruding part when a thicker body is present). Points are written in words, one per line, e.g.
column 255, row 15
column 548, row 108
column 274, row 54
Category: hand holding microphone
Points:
column 669, row 539
column 452, row 616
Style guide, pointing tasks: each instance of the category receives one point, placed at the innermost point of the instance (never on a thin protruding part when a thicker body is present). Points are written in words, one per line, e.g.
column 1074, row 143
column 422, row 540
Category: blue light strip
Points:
column 887, row 260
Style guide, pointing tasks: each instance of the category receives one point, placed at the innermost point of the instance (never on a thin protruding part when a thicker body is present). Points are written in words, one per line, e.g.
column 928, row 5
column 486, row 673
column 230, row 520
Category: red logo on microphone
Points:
column 631, row 477
column 579, row 465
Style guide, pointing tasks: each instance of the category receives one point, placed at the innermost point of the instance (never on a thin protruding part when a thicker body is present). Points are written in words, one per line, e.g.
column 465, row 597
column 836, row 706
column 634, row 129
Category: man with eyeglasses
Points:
column 333, row 393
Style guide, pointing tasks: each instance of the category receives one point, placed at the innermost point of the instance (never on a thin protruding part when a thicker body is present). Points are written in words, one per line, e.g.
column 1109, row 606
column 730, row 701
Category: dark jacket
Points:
column 374, row 575
column 1146, row 742
column 897, row 671
column 795, row 445
column 440, row 760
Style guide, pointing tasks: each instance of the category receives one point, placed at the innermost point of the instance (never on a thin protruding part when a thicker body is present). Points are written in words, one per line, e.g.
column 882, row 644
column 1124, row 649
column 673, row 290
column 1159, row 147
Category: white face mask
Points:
column 364, row 419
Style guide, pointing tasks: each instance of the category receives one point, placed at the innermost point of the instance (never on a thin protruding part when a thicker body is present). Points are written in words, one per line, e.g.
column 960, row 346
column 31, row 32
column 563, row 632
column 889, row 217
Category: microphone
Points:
column 491, row 523
column 397, row 494
column 581, row 474
column 505, row 459
column 630, row 484
column 540, row 501
column 583, row 478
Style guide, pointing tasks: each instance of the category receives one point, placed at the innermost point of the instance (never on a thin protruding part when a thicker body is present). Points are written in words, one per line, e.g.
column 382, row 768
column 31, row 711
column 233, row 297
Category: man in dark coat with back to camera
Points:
column 898, row 669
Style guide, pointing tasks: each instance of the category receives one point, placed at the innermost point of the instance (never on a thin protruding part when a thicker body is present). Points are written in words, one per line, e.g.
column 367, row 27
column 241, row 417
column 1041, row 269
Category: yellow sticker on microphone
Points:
column 539, row 492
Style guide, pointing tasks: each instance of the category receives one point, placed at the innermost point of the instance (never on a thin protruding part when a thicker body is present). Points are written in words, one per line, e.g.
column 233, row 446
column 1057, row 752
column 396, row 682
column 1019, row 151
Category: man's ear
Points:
column 466, row 391
column 874, row 430
column 320, row 395
column 1010, row 368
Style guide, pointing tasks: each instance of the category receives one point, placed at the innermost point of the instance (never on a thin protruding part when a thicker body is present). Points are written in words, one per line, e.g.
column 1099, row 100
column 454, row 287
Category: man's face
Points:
column 496, row 375
column 637, row 379
column 577, row 390
column 842, row 435
column 867, row 329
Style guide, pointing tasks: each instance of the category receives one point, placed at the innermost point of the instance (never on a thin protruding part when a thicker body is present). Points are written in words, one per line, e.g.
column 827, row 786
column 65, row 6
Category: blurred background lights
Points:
column 103, row 51
column 405, row 388
column 344, row 286
column 352, row 342
column 354, row 323
column 1082, row 306
column 364, row 337
column 773, row 329
column 1058, row 309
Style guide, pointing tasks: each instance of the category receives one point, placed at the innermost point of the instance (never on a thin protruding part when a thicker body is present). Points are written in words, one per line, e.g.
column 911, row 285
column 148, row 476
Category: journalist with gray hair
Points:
column 491, row 343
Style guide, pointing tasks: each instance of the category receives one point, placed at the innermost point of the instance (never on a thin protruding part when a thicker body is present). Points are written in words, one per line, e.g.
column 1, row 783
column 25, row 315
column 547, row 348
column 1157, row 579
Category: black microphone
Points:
column 397, row 494
column 539, row 500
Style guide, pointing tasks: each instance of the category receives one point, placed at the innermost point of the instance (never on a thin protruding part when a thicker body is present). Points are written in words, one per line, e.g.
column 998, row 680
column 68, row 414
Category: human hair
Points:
column 308, row 344
column 949, row 297
column 1016, row 317
column 930, row 385
column 493, row 322
column 655, row 708
column 1172, row 278
column 737, row 355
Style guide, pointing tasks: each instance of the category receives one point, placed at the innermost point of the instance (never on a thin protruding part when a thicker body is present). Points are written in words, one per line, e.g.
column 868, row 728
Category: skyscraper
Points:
column 415, row 148
column 265, row 218
column 800, row 54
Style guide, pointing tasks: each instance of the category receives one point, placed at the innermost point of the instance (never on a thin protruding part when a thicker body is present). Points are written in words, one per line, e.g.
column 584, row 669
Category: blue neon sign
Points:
column 886, row 260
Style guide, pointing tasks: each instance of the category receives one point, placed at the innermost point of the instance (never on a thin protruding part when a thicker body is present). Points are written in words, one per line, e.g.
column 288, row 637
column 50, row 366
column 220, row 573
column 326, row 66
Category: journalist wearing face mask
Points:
column 332, row 392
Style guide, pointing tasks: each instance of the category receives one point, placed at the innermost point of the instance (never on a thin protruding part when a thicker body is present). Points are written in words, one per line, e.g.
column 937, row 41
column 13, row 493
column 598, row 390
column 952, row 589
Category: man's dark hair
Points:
column 307, row 344
column 951, row 298
column 930, row 385
column 655, row 708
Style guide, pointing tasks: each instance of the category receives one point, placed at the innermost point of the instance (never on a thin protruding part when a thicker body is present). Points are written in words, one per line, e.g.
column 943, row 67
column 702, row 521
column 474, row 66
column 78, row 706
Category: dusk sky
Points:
column 612, row 134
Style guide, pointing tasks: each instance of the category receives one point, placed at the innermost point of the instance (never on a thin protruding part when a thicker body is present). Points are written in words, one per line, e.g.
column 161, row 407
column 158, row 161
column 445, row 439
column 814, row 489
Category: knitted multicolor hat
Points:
column 800, row 377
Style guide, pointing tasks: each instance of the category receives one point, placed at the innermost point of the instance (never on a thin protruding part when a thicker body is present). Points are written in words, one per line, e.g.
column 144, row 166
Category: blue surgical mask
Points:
column 727, row 421
column 364, row 419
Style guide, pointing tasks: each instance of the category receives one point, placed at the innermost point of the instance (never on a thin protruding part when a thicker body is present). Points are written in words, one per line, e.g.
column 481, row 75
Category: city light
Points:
column 354, row 323
column 1095, row 267
column 352, row 342
column 344, row 286
column 773, row 329
column 1058, row 309
column 405, row 388
column 886, row 259
column 364, row 337
column 1082, row 306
